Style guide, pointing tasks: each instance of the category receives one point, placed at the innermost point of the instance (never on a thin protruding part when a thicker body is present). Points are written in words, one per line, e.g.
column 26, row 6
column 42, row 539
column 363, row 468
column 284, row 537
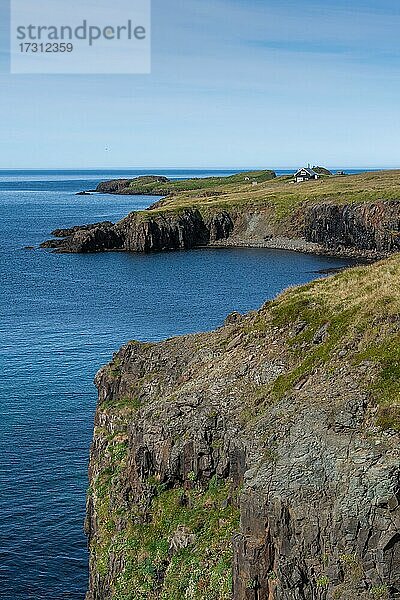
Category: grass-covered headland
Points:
column 258, row 459
column 356, row 214
column 263, row 189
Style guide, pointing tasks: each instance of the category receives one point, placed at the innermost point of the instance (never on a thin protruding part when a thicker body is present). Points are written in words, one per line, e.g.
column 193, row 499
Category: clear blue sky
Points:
column 235, row 83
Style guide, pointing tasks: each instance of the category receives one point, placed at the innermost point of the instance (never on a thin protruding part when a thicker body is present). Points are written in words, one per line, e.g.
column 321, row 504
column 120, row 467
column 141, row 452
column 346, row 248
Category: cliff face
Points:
column 145, row 232
column 97, row 237
column 183, row 230
column 364, row 228
column 259, row 461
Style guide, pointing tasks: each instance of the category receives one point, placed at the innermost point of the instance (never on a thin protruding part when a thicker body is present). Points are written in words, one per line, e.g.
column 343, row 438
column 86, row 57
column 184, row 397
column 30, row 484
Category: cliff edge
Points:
column 258, row 461
column 358, row 214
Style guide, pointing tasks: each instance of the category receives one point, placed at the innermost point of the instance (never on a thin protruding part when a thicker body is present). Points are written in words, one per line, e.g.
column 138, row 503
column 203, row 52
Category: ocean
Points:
column 62, row 317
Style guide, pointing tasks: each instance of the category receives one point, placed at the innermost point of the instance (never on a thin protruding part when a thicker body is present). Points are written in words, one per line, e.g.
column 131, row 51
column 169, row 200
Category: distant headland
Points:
column 355, row 215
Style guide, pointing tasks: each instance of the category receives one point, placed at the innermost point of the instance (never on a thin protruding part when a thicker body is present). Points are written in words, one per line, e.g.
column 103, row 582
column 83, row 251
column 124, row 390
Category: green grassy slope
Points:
column 283, row 196
column 150, row 185
column 361, row 310
column 358, row 313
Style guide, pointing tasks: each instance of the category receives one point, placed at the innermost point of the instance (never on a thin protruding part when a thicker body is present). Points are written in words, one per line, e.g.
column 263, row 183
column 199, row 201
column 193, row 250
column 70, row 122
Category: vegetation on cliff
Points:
column 290, row 416
column 358, row 213
column 279, row 193
column 284, row 197
column 357, row 312
column 162, row 186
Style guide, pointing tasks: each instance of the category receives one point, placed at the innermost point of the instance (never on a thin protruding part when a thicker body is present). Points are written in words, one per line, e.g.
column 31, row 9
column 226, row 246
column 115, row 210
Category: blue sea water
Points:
column 61, row 318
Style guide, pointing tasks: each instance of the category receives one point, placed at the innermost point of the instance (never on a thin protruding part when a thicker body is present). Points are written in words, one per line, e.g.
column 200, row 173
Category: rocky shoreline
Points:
column 366, row 230
column 337, row 216
column 260, row 460
column 302, row 245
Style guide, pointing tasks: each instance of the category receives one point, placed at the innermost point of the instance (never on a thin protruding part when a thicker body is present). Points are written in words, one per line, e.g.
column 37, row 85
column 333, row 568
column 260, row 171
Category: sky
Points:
column 234, row 84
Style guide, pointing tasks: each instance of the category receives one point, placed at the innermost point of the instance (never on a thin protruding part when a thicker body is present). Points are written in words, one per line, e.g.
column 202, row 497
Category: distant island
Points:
column 356, row 214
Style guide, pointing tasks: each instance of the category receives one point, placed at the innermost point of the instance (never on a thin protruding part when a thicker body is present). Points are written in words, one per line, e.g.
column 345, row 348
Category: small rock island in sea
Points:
column 261, row 460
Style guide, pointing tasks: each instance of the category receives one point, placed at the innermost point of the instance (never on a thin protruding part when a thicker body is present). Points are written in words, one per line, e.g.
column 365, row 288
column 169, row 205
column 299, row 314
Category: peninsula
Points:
column 260, row 460
column 257, row 461
column 357, row 215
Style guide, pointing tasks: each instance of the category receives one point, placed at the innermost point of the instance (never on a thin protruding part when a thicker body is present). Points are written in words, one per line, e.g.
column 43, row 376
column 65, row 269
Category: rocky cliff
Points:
column 357, row 214
column 259, row 461
column 146, row 232
column 366, row 227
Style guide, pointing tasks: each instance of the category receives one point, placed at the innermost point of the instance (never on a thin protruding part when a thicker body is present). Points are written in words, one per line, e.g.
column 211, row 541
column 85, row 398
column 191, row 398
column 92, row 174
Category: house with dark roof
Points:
column 305, row 174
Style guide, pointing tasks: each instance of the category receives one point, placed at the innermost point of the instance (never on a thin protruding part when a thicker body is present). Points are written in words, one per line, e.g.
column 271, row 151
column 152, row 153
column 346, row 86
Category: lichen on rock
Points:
column 258, row 461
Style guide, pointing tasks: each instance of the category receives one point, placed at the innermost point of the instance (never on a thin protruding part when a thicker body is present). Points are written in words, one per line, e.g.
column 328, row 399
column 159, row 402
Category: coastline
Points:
column 275, row 243
column 240, row 443
column 159, row 230
column 332, row 216
column 301, row 245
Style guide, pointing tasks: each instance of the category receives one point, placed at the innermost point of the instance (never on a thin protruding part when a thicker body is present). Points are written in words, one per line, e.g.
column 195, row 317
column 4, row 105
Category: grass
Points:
column 145, row 185
column 128, row 402
column 150, row 570
column 358, row 309
column 380, row 592
column 281, row 191
column 279, row 195
column 386, row 388
column 201, row 571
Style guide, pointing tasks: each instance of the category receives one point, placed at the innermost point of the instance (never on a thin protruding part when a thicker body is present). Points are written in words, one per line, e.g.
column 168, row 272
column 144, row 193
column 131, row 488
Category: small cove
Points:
column 62, row 317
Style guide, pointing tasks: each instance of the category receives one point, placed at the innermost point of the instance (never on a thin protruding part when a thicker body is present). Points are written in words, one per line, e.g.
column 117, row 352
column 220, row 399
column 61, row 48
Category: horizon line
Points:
column 175, row 168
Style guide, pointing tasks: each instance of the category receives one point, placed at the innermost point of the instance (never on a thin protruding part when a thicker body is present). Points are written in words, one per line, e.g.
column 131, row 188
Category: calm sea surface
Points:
column 61, row 318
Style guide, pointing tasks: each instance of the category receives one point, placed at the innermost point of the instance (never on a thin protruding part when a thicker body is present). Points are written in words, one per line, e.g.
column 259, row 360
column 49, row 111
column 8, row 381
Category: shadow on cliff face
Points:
column 286, row 416
column 370, row 229
column 366, row 226
column 143, row 232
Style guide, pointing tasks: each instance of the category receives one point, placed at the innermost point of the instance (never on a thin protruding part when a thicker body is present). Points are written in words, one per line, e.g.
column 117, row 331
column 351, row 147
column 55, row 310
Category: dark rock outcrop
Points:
column 88, row 238
column 143, row 232
column 275, row 415
column 184, row 230
column 366, row 226
column 61, row 233
column 55, row 244
column 365, row 229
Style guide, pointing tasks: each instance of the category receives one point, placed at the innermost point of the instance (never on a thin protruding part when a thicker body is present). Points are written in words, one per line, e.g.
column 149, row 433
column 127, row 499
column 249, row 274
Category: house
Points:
column 305, row 174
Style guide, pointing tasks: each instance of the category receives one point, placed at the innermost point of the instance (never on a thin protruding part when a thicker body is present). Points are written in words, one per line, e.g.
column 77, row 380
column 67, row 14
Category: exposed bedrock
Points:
column 89, row 238
column 164, row 231
column 273, row 417
column 61, row 233
column 144, row 233
column 364, row 228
